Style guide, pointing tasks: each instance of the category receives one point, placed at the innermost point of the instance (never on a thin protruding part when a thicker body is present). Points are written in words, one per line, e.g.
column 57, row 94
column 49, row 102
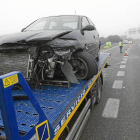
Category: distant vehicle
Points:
column 125, row 42
column 130, row 42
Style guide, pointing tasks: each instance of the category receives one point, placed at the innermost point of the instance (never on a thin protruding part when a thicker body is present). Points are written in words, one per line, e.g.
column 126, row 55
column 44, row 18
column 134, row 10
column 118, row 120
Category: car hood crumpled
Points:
column 32, row 36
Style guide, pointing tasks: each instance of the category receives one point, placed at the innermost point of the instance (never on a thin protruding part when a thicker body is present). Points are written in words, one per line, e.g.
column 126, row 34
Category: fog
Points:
column 111, row 17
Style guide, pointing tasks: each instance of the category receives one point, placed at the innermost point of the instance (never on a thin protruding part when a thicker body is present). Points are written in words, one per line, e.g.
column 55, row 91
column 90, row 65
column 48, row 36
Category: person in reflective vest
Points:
column 121, row 46
column 106, row 44
column 110, row 44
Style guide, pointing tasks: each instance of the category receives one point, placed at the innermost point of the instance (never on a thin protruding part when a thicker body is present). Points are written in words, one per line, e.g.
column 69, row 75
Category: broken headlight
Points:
column 63, row 42
column 63, row 46
column 62, row 51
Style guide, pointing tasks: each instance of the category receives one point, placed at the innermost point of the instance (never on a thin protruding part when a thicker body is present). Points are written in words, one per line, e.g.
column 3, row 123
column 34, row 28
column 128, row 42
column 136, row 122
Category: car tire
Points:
column 84, row 65
column 93, row 95
column 99, row 90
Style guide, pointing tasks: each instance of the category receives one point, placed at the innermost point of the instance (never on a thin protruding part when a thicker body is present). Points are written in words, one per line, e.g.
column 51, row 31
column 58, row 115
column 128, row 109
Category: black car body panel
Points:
column 77, row 35
column 31, row 36
column 86, row 39
column 51, row 45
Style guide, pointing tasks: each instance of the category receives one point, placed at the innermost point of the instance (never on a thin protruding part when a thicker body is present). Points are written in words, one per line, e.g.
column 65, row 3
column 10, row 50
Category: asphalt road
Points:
column 117, row 117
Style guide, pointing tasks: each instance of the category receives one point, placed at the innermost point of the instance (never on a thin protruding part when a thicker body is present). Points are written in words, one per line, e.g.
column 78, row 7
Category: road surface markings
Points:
column 122, row 66
column 126, row 56
column 123, row 62
column 124, row 59
column 111, row 108
column 117, row 64
column 120, row 73
column 117, row 84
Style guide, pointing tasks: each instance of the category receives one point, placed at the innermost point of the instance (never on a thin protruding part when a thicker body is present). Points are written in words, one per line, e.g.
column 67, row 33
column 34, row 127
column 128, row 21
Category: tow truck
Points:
column 47, row 112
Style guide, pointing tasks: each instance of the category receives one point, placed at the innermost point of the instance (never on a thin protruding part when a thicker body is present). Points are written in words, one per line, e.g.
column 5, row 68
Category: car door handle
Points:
column 94, row 36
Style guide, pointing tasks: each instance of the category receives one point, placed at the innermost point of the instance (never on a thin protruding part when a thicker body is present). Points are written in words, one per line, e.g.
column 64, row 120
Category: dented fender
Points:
column 69, row 73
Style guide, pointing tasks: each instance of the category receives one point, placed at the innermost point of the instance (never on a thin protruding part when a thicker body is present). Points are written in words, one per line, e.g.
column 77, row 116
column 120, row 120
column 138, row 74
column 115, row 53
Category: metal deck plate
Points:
column 53, row 101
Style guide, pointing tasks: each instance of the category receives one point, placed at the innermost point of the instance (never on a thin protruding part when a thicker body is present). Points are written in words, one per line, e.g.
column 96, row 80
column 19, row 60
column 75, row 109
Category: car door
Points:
column 96, row 37
column 90, row 40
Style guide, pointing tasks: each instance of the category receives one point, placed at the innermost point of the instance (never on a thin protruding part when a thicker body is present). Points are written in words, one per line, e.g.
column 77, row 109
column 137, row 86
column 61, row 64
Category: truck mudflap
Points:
column 44, row 129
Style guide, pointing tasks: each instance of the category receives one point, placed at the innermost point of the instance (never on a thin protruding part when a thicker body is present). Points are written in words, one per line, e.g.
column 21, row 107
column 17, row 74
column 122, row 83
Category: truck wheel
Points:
column 93, row 95
column 97, row 58
column 84, row 65
column 99, row 90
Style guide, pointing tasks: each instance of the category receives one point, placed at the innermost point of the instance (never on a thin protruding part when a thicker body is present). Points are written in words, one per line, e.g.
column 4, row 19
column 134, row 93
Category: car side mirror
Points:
column 22, row 29
column 89, row 28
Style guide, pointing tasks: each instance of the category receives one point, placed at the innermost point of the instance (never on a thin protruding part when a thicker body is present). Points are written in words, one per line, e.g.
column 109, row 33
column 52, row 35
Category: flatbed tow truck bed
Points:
column 42, row 113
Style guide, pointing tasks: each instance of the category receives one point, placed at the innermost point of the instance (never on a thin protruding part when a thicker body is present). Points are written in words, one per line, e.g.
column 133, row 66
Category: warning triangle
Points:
column 7, row 83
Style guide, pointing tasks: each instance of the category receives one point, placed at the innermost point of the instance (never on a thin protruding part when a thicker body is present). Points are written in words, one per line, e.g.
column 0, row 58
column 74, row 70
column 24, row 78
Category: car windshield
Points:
column 55, row 23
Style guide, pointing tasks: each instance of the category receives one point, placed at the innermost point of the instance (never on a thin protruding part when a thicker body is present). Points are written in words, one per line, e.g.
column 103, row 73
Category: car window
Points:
column 52, row 25
column 84, row 22
column 72, row 25
column 63, row 26
column 38, row 26
column 55, row 23
column 91, row 23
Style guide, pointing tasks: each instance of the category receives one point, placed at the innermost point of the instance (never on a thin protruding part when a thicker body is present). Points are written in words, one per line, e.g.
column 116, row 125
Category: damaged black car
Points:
column 50, row 48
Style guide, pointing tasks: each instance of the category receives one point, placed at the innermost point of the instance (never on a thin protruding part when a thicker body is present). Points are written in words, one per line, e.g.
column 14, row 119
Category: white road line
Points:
column 125, row 59
column 117, row 63
column 120, row 73
column 126, row 56
column 117, row 84
column 111, row 108
column 122, row 66
column 123, row 62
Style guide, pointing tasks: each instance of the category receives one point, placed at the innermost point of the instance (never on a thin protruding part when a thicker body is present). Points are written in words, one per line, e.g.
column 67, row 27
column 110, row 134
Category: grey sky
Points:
column 111, row 17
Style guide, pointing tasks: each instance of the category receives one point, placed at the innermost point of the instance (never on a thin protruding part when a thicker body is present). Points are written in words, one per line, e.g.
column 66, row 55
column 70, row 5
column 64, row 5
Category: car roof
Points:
column 62, row 15
column 66, row 15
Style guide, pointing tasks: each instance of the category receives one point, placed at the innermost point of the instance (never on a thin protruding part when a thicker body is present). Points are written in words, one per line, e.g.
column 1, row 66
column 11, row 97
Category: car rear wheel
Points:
column 84, row 65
